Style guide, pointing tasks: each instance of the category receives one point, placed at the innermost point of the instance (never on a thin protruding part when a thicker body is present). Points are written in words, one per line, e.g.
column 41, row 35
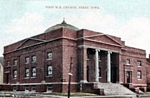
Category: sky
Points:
column 127, row 19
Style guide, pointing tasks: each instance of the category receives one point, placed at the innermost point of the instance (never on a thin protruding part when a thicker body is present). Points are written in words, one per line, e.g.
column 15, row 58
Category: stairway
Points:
column 113, row 89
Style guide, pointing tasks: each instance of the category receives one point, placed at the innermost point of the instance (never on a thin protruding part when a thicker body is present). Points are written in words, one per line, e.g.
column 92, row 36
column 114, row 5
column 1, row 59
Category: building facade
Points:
column 1, row 69
column 42, row 62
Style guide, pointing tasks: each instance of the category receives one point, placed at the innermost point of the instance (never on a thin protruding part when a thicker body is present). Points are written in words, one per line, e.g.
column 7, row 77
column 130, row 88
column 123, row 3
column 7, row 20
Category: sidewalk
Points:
column 116, row 96
column 5, row 94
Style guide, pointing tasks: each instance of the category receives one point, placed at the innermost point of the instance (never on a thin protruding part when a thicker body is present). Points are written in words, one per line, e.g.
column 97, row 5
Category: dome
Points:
column 62, row 25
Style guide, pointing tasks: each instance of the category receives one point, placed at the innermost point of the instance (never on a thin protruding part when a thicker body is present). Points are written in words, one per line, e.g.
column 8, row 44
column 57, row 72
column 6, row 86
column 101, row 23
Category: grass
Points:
column 73, row 94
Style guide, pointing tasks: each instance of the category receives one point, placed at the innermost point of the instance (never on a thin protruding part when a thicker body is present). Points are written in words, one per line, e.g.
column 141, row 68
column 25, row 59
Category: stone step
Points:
column 114, row 89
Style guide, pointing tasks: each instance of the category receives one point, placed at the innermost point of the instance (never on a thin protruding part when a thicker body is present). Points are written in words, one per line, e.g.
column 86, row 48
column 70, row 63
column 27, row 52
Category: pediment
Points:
column 29, row 42
column 103, row 38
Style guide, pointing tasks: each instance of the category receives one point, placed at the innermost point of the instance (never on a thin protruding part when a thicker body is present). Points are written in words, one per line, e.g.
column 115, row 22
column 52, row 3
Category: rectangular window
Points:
column 33, row 72
column 34, row 58
column 15, row 62
column 26, row 88
column 49, row 87
column 27, row 72
column 139, row 63
column 127, row 62
column 49, row 70
column 33, row 88
column 15, row 73
column 139, row 74
column 49, row 55
column 14, row 88
column 27, row 60
column 8, row 64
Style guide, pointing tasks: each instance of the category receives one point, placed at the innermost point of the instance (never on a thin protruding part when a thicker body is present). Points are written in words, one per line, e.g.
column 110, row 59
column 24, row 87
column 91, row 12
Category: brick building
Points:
column 41, row 63
column 1, row 69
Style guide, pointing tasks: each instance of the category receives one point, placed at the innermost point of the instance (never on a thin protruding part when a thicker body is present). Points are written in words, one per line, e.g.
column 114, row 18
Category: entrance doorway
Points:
column 114, row 77
column 114, row 67
column 129, row 75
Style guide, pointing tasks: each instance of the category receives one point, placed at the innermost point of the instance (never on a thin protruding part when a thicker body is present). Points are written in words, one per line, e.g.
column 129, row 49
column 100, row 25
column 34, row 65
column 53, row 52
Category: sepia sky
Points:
column 128, row 19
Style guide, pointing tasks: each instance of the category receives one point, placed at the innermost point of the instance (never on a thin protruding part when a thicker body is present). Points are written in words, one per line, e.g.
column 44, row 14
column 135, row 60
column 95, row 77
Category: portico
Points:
column 99, row 66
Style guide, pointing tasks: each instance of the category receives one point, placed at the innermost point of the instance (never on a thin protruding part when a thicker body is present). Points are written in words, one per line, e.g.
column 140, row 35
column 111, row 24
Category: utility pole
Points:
column 70, row 74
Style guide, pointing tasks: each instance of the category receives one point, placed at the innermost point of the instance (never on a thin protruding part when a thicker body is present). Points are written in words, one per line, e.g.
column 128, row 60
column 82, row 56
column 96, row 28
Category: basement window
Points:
column 49, row 87
column 33, row 88
column 14, row 88
column 27, row 88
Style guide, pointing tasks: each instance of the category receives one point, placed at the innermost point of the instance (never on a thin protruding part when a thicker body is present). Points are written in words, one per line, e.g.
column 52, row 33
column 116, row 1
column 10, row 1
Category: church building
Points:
column 43, row 63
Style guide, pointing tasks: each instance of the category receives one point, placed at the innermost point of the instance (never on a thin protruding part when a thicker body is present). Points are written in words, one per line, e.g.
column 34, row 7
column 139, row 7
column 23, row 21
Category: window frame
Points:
column 49, row 87
column 33, row 88
column 33, row 72
column 8, row 63
column 49, row 55
column 128, row 62
column 26, row 87
column 139, row 74
column 14, row 88
column 15, row 62
column 14, row 74
column 49, row 71
column 33, row 59
column 27, row 60
column 139, row 63
column 27, row 75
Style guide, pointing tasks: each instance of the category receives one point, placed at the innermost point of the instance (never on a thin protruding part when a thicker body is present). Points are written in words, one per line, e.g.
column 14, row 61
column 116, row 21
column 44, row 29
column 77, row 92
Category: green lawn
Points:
column 74, row 94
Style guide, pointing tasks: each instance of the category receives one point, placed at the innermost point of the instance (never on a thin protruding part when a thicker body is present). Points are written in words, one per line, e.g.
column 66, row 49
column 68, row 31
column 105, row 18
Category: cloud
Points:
column 30, row 24
column 135, row 32
column 92, row 19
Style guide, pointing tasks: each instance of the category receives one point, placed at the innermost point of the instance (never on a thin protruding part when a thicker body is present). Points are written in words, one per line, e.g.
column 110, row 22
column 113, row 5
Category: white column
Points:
column 96, row 66
column 108, row 67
